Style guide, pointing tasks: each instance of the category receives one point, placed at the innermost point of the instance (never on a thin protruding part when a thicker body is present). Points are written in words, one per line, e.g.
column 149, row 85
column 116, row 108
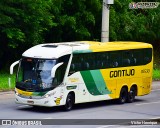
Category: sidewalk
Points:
column 155, row 85
column 6, row 92
column 7, row 95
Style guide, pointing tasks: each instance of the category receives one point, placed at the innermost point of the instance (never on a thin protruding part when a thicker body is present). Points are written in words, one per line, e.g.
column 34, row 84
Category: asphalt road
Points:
column 145, row 107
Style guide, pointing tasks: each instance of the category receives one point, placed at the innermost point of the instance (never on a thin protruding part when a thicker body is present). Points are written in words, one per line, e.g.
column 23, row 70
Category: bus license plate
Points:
column 30, row 102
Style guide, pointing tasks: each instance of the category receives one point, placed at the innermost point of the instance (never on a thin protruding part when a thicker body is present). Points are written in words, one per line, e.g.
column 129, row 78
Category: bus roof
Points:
column 56, row 50
column 117, row 45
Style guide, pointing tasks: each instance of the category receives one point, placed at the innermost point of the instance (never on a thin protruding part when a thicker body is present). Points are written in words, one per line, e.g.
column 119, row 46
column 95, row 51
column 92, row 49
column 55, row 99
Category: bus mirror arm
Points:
column 53, row 71
column 12, row 66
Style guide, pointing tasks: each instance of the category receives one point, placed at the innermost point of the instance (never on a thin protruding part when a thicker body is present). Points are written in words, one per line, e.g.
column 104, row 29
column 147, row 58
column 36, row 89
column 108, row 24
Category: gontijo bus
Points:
column 57, row 74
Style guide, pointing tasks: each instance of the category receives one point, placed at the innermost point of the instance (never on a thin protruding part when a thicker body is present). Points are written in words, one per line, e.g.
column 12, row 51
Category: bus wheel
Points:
column 131, row 95
column 69, row 102
column 123, row 96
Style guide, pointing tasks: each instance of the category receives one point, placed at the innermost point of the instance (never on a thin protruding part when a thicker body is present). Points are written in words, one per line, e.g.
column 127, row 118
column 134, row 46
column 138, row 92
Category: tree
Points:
column 22, row 24
column 134, row 24
column 75, row 20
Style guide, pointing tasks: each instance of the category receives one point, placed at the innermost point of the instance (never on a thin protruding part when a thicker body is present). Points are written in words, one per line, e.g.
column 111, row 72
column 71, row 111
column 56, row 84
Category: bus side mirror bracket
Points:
column 53, row 71
column 12, row 66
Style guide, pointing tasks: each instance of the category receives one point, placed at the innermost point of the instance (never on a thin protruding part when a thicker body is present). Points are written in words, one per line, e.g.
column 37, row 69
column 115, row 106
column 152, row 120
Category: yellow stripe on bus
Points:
column 24, row 93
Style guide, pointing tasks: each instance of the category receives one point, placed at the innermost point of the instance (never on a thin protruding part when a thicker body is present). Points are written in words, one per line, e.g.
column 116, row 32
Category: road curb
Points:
column 155, row 85
column 6, row 92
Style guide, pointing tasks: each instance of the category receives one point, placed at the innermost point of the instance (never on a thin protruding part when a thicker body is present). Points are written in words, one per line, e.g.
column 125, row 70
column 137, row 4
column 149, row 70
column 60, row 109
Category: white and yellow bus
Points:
column 57, row 74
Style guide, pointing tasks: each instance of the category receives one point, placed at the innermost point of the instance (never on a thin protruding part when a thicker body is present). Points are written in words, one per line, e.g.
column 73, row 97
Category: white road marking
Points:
column 155, row 118
column 155, row 90
column 48, row 118
column 106, row 126
column 22, row 106
column 149, row 103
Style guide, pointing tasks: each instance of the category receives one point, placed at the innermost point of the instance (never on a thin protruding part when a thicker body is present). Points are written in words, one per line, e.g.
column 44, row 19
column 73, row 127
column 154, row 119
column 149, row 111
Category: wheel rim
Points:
column 123, row 97
column 132, row 94
column 69, row 102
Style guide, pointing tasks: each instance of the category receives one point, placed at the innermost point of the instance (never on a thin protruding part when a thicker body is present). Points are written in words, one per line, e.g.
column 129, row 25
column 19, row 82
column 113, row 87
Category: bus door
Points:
column 83, row 93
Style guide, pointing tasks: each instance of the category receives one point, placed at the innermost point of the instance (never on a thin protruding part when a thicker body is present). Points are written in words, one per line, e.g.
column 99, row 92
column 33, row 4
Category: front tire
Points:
column 123, row 96
column 69, row 102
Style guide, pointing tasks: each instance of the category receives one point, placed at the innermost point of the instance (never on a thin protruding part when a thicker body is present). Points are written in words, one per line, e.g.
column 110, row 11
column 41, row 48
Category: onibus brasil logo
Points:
column 143, row 5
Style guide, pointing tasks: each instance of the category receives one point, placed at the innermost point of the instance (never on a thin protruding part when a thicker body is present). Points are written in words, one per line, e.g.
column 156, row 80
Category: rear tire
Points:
column 131, row 95
column 69, row 102
column 123, row 96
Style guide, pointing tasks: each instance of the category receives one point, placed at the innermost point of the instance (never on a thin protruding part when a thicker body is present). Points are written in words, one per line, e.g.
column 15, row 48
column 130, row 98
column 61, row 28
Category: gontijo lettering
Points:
column 121, row 73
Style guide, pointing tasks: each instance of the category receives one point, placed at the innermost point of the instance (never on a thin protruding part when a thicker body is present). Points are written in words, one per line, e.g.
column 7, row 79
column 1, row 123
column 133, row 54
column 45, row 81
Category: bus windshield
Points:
column 35, row 74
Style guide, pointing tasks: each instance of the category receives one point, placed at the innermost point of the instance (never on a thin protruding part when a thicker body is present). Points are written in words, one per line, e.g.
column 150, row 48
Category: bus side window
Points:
column 85, row 66
column 115, row 59
column 79, row 63
column 134, row 61
column 72, row 67
column 91, row 61
column 126, row 62
column 127, row 58
column 58, row 79
column 115, row 64
column 105, row 60
column 98, row 62
column 138, row 57
column 147, row 55
column 82, row 63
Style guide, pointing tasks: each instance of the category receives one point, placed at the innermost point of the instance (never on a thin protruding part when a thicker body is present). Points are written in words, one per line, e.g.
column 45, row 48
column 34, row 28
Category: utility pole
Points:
column 105, row 20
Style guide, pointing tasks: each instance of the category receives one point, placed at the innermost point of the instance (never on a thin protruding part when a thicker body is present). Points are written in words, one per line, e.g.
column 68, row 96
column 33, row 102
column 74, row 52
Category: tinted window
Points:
column 115, row 59
column 110, row 59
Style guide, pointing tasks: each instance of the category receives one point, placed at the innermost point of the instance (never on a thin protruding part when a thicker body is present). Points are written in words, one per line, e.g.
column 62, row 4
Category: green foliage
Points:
column 24, row 20
column 134, row 24
column 75, row 20
column 4, row 84
column 156, row 74
column 24, row 23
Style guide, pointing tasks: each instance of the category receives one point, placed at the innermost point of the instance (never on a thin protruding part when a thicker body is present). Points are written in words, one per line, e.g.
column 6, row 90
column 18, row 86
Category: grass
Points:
column 4, row 86
column 156, row 74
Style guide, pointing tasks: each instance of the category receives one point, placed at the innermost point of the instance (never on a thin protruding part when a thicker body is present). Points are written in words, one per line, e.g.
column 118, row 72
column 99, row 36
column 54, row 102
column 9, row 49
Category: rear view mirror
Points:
column 12, row 66
column 53, row 71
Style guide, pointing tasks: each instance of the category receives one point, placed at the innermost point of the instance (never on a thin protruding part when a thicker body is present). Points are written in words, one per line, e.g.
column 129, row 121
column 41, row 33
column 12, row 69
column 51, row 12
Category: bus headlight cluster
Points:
column 16, row 92
column 49, row 95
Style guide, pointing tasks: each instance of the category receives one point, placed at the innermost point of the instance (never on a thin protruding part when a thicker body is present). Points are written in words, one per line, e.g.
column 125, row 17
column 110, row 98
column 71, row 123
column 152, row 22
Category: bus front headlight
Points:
column 16, row 92
column 49, row 95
